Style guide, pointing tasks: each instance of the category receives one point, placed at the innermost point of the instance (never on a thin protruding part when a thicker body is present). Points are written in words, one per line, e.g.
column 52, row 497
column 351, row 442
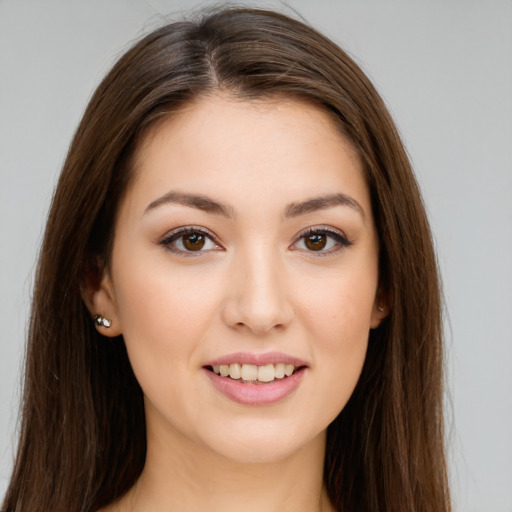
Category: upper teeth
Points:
column 251, row 372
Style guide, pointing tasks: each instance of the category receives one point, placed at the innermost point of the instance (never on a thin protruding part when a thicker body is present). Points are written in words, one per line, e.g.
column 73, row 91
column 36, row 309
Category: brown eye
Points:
column 193, row 241
column 190, row 242
column 316, row 241
column 321, row 241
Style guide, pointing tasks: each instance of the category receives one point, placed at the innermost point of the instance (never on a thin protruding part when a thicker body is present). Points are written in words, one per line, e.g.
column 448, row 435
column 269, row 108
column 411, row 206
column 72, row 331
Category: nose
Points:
column 258, row 296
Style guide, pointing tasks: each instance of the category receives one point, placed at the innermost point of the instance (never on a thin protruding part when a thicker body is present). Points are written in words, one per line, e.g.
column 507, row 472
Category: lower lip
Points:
column 256, row 394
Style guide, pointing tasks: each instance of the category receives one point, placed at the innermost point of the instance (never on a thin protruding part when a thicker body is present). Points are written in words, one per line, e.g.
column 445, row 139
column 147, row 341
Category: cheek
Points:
column 341, row 310
column 344, row 325
column 338, row 315
column 163, row 315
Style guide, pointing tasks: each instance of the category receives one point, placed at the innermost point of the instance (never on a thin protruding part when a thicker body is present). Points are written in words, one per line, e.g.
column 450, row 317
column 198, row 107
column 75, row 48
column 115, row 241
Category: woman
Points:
column 237, row 302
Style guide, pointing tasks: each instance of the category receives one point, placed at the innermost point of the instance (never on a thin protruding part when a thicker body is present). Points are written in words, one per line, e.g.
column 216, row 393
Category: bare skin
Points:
column 185, row 483
column 247, row 231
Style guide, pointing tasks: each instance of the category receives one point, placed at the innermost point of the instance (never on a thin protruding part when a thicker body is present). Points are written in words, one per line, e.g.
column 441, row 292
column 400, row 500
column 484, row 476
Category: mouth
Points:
column 256, row 379
column 255, row 374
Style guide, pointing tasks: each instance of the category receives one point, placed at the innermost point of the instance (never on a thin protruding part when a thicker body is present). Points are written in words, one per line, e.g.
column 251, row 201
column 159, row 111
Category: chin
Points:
column 263, row 444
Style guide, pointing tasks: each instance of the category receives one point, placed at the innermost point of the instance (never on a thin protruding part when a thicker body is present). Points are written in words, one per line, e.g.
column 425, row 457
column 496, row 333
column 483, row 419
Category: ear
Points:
column 99, row 298
column 380, row 309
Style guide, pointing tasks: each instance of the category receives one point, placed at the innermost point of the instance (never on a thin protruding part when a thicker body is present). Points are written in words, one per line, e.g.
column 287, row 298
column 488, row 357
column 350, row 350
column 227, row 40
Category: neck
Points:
column 179, row 475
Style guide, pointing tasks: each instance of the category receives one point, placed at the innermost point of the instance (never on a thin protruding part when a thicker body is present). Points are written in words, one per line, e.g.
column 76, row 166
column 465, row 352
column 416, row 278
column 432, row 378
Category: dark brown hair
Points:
column 82, row 440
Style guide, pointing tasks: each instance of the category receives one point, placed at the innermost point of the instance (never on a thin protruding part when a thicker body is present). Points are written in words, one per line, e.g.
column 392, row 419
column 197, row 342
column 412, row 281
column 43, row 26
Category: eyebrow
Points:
column 197, row 201
column 209, row 205
column 322, row 203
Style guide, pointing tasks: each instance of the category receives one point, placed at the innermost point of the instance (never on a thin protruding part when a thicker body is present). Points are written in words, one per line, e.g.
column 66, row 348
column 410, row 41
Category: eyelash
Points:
column 340, row 240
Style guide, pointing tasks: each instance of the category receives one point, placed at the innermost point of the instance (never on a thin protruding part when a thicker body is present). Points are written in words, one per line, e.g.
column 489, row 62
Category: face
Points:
column 244, row 276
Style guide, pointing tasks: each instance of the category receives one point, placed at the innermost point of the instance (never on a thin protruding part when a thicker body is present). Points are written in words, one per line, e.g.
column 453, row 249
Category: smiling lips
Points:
column 256, row 379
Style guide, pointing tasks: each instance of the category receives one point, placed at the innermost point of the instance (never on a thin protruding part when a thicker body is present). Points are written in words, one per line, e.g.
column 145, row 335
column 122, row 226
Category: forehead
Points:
column 242, row 147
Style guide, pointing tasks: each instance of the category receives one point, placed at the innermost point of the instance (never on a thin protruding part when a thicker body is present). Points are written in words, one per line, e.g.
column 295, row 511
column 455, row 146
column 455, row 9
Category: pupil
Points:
column 194, row 241
column 316, row 242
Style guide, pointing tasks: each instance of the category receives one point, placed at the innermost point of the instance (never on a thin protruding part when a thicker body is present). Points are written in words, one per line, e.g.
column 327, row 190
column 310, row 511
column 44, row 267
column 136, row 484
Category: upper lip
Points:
column 257, row 359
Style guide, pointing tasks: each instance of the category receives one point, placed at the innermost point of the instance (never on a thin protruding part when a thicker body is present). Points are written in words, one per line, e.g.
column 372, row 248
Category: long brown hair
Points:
column 82, row 440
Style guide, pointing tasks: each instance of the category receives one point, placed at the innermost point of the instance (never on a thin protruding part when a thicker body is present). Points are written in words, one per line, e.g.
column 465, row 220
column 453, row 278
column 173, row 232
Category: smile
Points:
column 252, row 373
column 256, row 379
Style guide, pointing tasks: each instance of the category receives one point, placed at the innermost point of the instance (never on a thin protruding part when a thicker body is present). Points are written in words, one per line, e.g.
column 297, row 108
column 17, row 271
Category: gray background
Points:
column 445, row 69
